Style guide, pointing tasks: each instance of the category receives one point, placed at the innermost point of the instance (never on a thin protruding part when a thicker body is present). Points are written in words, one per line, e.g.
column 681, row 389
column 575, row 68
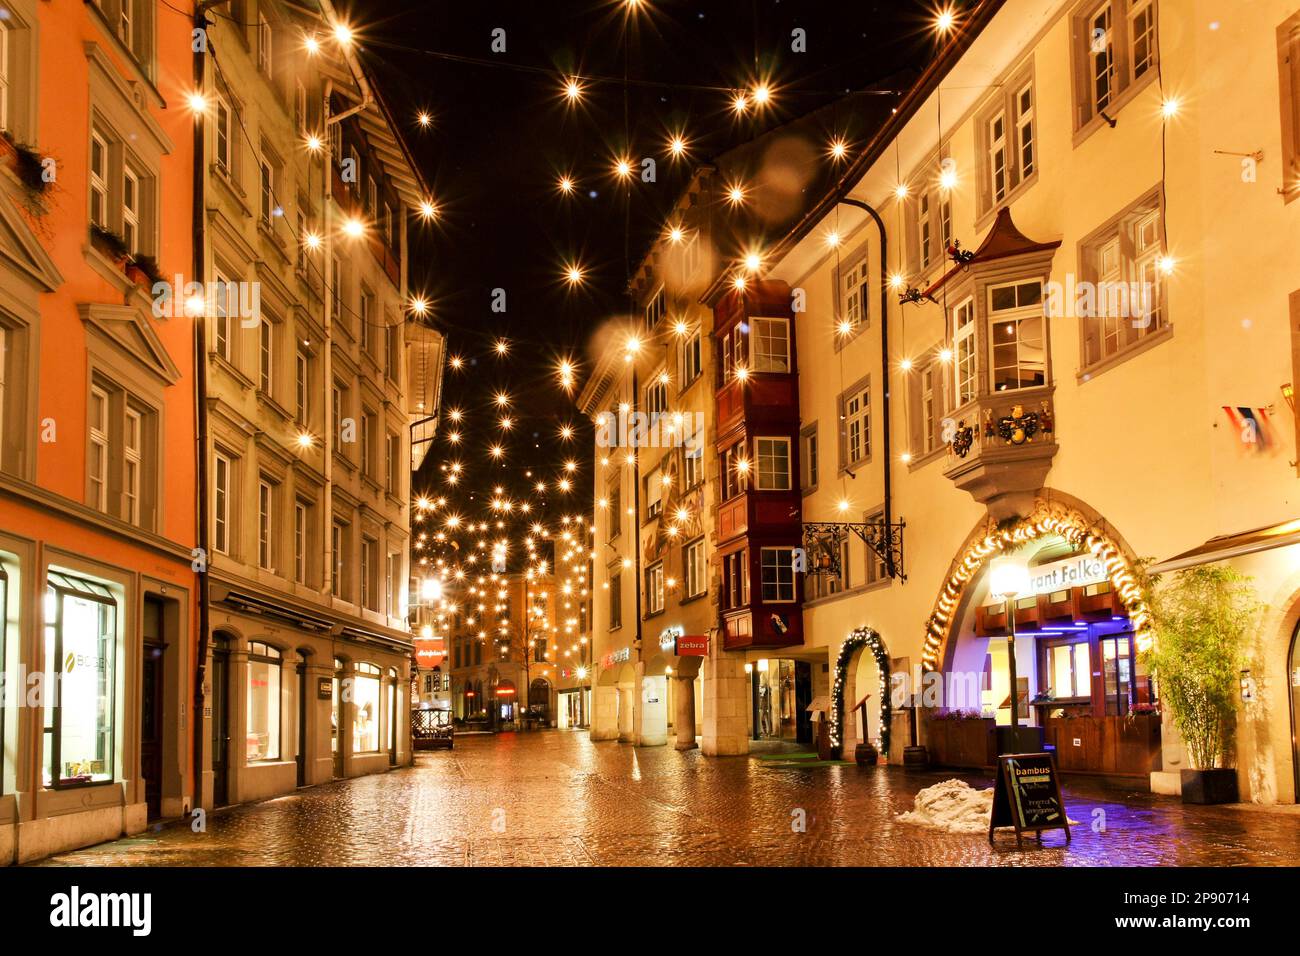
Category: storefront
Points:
column 1055, row 605
column 780, row 691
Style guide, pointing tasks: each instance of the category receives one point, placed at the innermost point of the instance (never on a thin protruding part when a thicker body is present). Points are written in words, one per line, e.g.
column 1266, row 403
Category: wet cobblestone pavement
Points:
column 553, row 798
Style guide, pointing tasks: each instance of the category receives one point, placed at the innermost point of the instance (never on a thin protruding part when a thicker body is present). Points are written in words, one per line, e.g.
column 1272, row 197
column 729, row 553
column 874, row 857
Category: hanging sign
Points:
column 430, row 653
column 691, row 645
column 1027, row 796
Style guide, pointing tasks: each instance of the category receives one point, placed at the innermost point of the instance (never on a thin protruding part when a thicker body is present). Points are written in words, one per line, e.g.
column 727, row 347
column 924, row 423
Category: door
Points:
column 1293, row 669
column 392, row 723
column 802, row 698
column 151, row 727
column 336, row 731
column 302, row 725
column 220, row 727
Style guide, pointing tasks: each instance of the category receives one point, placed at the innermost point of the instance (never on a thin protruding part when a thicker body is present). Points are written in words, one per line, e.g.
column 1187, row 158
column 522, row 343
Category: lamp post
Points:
column 1008, row 579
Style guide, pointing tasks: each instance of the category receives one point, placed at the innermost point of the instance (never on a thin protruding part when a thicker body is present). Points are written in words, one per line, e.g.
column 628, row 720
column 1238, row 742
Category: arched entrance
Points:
column 539, row 701
column 1071, row 638
column 843, row 729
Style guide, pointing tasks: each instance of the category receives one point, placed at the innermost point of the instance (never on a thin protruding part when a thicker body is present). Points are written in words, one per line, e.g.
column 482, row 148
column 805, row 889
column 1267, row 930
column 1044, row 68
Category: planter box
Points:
column 1209, row 786
column 962, row 743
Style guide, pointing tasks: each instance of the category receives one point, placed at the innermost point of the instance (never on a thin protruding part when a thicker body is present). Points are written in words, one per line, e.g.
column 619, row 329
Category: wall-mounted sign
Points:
column 616, row 657
column 1072, row 572
column 692, row 645
column 324, row 688
column 669, row 638
column 430, row 653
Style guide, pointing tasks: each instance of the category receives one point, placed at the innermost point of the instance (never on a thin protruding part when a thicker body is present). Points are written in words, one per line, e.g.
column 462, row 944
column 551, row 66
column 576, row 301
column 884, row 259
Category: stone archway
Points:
column 1048, row 517
column 862, row 638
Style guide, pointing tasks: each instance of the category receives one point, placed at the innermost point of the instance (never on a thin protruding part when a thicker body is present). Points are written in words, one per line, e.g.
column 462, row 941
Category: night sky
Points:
column 502, row 135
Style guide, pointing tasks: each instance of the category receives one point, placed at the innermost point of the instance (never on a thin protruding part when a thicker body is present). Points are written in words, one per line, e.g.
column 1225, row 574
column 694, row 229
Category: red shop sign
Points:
column 430, row 653
column 692, row 645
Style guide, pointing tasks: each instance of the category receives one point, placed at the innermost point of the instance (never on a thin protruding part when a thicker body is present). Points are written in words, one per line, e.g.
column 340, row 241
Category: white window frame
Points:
column 690, row 362
column 857, row 425
column 223, row 140
column 854, row 290
column 965, row 354
column 221, row 481
column 765, row 450
column 654, row 588
column 265, row 522
column 1015, row 316
column 999, row 166
column 770, row 559
column 266, row 356
column 301, row 514
column 99, row 180
column 97, row 471
column 133, row 463
column 696, row 566
column 762, row 358
column 267, row 206
column 131, row 209
column 264, row 36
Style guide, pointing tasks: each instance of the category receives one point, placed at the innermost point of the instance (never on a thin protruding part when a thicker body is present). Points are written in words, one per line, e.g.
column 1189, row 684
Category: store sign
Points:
column 430, row 653
column 1075, row 572
column 1027, row 796
column 668, row 639
column 616, row 657
column 324, row 688
column 692, row 645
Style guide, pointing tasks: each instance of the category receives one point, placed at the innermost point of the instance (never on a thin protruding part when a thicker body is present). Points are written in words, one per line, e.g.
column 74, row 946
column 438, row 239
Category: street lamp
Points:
column 1008, row 579
column 431, row 590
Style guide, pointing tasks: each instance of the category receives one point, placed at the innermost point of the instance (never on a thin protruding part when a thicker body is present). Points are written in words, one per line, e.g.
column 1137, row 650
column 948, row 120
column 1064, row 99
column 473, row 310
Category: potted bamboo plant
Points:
column 1201, row 619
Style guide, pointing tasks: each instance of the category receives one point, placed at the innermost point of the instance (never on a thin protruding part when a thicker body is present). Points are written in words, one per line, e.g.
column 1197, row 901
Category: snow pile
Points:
column 953, row 806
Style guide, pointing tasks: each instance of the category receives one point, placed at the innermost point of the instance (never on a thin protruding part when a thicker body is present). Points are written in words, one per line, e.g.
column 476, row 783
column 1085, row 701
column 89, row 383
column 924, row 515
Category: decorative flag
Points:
column 1252, row 426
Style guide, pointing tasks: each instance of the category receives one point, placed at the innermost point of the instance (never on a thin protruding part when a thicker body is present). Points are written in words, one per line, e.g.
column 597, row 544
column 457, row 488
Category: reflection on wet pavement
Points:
column 553, row 798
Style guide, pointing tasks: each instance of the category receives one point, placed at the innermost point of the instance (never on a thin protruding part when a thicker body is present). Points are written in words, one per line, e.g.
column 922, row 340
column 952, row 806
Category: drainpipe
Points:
column 884, row 361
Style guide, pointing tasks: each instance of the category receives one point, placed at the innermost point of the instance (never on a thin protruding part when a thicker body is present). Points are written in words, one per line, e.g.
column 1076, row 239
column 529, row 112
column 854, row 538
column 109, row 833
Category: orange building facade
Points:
column 97, row 423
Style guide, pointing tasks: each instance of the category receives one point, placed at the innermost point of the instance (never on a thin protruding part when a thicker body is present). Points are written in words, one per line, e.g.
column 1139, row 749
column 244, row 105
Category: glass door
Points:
column 1117, row 673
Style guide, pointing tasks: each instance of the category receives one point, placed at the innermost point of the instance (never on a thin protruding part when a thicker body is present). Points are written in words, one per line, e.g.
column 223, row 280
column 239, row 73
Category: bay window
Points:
column 964, row 354
column 773, row 456
column 735, row 580
column 1016, row 336
column 81, row 675
column 770, row 345
column 263, row 730
column 777, row 567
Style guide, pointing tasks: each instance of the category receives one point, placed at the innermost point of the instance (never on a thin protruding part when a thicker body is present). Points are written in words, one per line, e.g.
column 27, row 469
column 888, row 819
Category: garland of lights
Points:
column 1045, row 519
column 861, row 637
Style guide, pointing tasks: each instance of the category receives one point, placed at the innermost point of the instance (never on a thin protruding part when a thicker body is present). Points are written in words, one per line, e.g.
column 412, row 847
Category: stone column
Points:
column 626, row 713
column 319, row 757
column 604, row 718
column 684, row 701
column 726, row 701
column 652, row 709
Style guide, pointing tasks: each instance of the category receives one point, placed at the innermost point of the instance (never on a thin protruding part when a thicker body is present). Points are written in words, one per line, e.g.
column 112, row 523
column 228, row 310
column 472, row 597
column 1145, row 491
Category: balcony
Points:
column 1002, row 448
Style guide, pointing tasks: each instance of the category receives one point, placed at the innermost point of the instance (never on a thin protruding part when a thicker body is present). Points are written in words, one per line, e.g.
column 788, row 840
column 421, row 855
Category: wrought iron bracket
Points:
column 886, row 540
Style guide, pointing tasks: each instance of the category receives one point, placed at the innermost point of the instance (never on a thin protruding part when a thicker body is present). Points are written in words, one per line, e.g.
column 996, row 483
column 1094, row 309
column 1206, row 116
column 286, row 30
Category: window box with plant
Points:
column 29, row 167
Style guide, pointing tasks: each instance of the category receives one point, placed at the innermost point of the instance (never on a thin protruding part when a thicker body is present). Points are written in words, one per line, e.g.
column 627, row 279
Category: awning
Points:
column 1234, row 545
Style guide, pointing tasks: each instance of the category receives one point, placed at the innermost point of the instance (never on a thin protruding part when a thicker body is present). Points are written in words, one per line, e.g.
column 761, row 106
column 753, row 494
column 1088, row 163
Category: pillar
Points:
column 726, row 702
column 604, row 717
column 652, row 712
column 684, row 702
column 626, row 713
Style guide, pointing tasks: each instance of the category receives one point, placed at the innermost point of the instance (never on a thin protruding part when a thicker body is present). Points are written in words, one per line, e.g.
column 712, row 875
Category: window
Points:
column 773, row 456
column 133, row 464
column 1123, row 261
column 367, row 317
column 693, row 459
column 735, row 580
column 733, row 352
column 945, row 223
column 372, row 196
column 691, row 256
column 656, row 396
column 854, row 291
column 131, row 210
column 654, row 588
column 300, row 259
column 223, row 293
column 777, row 575
column 876, row 569
column 365, row 709
column 1007, row 129
column 771, row 345
column 81, row 649
column 691, row 360
column 265, row 519
column 268, row 206
column 392, row 573
column 809, row 460
column 654, row 493
column 697, row 570
column 263, row 742
column 392, row 348
column 735, row 471
column 1067, row 668
column 301, row 513
column 1116, row 47
column 367, row 423
column 1018, row 354
column 337, row 535
column 392, row 462
column 224, row 152
column 266, row 352
column 929, row 407
column 615, row 509
column 98, row 180
column 1288, row 63
column 336, row 411
column 221, row 488
column 655, row 309
column 855, row 411
column 964, row 355
column 369, row 593
column 926, row 253
column 264, row 44
column 97, row 464
column 615, row 599
column 336, row 289
column 302, row 391
column 300, row 107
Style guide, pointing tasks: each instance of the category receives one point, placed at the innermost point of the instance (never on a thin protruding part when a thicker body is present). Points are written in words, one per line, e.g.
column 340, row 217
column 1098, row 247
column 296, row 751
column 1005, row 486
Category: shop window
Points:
column 773, row 456
column 654, row 588
column 365, row 709
column 777, row 575
column 81, row 669
column 1016, row 336
column 770, row 344
column 1068, row 671
column 697, row 568
column 263, row 741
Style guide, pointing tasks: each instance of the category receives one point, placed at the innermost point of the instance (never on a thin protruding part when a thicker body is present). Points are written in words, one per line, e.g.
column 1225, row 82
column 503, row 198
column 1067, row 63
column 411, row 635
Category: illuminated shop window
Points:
column 80, row 673
column 263, row 732
column 365, row 709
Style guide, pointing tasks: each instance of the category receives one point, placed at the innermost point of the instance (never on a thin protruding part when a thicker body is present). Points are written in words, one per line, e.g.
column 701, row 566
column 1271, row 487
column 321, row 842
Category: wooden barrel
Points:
column 915, row 758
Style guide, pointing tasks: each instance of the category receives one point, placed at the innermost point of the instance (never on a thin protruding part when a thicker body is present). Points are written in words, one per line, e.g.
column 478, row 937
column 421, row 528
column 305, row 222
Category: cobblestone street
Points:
column 555, row 799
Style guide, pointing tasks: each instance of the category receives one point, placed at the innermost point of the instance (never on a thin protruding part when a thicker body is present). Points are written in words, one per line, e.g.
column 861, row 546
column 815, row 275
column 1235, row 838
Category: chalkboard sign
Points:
column 1027, row 795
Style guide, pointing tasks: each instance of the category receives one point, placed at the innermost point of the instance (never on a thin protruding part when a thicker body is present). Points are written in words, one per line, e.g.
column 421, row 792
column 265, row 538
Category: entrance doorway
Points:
column 336, row 717
column 302, row 724
column 782, row 691
column 152, row 681
column 392, row 718
column 1293, row 669
column 220, row 723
